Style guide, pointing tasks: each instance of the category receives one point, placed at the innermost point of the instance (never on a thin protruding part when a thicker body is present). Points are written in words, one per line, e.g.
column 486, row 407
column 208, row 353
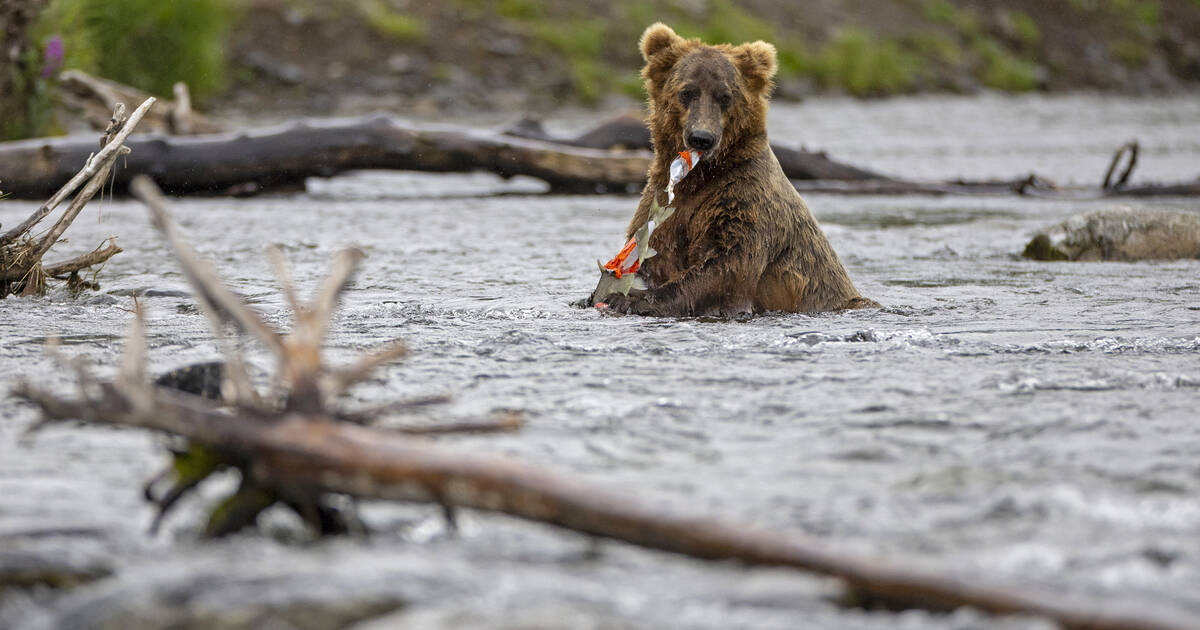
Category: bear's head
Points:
column 703, row 97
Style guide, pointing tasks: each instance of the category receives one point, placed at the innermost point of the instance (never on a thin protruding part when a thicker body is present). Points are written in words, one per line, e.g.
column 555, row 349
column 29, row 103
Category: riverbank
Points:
column 278, row 58
column 521, row 55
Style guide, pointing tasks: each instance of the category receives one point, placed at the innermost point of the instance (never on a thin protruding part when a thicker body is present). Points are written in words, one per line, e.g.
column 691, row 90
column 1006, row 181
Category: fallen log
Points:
column 21, row 268
column 629, row 131
column 91, row 98
column 299, row 451
column 1191, row 189
column 1116, row 180
column 610, row 158
column 285, row 155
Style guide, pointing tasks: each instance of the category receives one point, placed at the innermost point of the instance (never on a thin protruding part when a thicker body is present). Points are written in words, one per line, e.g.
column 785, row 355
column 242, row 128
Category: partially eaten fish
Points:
column 679, row 169
column 619, row 275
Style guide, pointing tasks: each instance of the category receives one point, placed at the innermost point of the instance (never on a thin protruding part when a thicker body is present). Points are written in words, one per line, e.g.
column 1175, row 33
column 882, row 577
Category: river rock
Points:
column 1120, row 234
column 63, row 570
column 239, row 598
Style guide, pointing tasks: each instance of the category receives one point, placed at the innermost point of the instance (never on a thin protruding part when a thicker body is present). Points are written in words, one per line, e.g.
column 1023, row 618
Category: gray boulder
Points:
column 1121, row 234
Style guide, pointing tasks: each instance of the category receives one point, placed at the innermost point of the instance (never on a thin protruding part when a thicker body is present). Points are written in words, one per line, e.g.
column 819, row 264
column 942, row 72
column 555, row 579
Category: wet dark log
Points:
column 287, row 154
column 629, row 131
column 1131, row 149
column 610, row 158
column 1118, row 186
column 299, row 451
column 1156, row 190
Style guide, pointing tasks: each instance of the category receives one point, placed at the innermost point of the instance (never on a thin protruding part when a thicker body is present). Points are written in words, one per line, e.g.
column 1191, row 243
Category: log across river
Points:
column 283, row 156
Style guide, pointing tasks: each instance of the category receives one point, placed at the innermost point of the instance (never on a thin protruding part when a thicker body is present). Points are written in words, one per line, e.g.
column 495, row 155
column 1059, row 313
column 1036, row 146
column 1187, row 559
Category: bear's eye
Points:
column 724, row 100
column 688, row 95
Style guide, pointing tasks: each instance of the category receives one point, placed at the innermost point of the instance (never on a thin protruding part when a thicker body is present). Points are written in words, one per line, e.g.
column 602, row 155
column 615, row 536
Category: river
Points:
column 1024, row 423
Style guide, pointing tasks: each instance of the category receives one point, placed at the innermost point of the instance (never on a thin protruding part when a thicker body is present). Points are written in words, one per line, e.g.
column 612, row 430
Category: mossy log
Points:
column 298, row 450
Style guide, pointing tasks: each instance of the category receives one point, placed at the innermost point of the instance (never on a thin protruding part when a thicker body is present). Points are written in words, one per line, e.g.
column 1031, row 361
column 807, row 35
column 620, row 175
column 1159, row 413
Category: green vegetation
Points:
column 28, row 110
column 1146, row 13
column 1003, row 71
column 581, row 42
column 1026, row 30
column 724, row 22
column 864, row 65
column 149, row 44
column 1130, row 52
column 994, row 65
column 587, row 49
column 599, row 56
column 391, row 23
column 1140, row 21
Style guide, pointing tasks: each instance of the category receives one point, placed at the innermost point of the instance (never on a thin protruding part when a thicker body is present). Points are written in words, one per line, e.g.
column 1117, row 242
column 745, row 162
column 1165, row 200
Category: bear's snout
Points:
column 701, row 140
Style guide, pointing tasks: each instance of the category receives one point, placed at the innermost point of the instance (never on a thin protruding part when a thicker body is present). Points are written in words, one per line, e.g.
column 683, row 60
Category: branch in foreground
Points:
column 301, row 454
column 298, row 454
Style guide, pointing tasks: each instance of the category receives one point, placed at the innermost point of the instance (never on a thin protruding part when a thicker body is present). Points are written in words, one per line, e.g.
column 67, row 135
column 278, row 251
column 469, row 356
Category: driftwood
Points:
column 21, row 267
column 629, row 131
column 91, row 98
column 610, row 158
column 1118, row 186
column 299, row 451
column 285, row 155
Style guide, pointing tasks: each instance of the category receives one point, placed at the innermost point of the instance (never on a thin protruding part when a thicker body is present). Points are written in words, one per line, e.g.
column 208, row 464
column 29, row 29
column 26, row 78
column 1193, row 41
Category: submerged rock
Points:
column 1122, row 234
column 27, row 569
column 183, row 598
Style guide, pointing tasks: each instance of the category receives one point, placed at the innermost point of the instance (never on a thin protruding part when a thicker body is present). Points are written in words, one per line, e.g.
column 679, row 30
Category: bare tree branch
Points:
column 317, row 453
column 89, row 170
column 204, row 279
column 335, row 384
column 90, row 259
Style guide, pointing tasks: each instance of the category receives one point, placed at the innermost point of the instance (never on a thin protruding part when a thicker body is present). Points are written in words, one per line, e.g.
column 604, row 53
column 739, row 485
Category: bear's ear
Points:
column 657, row 38
column 756, row 62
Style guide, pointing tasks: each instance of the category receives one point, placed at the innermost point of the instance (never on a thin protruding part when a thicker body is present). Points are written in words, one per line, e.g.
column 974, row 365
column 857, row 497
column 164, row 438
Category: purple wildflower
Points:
column 52, row 58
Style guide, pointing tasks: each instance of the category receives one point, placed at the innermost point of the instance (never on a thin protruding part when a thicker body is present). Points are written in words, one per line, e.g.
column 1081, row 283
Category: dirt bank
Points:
column 473, row 55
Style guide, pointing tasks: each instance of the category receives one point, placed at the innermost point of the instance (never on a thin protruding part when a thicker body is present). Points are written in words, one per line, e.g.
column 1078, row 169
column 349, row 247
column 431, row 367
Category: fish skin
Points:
column 679, row 169
column 609, row 283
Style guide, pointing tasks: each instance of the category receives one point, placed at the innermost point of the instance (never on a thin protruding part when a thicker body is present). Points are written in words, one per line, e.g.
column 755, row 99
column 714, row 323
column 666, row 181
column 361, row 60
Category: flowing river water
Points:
column 1024, row 423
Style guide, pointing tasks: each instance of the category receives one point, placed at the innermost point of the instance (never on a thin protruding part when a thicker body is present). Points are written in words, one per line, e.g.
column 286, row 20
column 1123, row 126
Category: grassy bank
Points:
column 528, row 54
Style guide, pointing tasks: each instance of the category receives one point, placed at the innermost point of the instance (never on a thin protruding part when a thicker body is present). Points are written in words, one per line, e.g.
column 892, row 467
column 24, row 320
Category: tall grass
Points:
column 149, row 44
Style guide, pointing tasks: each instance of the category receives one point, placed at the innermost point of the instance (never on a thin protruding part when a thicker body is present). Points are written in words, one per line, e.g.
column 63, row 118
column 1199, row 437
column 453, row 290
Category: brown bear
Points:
column 741, row 240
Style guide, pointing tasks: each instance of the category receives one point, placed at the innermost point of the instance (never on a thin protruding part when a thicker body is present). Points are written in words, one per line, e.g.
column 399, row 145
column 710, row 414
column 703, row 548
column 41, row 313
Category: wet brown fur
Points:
column 741, row 239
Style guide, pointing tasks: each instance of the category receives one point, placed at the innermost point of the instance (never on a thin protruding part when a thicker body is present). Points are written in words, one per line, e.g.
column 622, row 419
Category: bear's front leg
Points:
column 638, row 302
column 721, row 284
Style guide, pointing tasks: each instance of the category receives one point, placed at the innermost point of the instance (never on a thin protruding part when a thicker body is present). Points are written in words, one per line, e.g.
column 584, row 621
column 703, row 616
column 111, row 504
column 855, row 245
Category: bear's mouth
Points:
column 701, row 141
